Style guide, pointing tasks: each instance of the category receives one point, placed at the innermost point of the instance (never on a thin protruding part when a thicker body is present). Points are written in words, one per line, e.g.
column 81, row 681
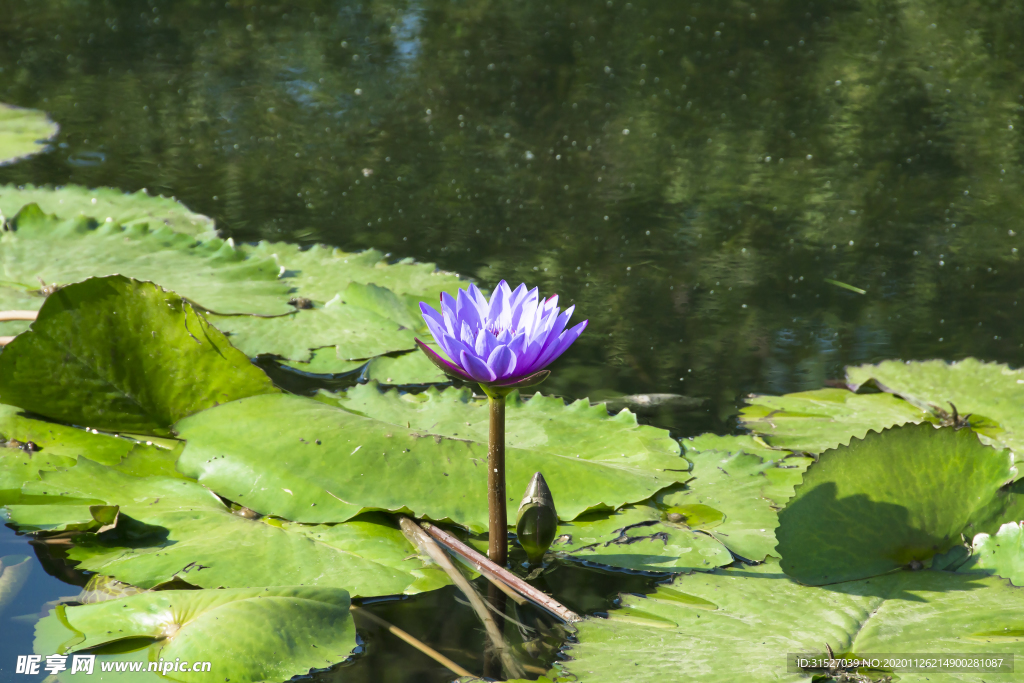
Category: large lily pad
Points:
column 739, row 624
column 424, row 453
column 992, row 393
column 363, row 321
column 107, row 204
column 173, row 528
column 814, row 421
column 889, row 500
column 121, row 355
column 243, row 627
column 23, row 132
column 213, row 274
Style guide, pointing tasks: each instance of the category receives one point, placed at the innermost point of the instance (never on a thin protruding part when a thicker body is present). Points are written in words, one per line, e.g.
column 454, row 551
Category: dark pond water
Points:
column 692, row 175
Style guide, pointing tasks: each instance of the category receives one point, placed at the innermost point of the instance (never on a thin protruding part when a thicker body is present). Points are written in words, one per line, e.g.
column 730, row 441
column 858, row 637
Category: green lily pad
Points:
column 242, row 626
column 893, row 498
column 1001, row 553
column 402, row 369
column 733, row 483
column 23, row 132
column 814, row 421
column 724, row 507
column 174, row 528
column 739, row 624
column 408, row 368
column 321, row 272
column 363, row 321
column 122, row 355
column 106, row 203
column 641, row 538
column 429, row 448
column 212, row 274
column 991, row 392
column 741, row 443
column 35, row 518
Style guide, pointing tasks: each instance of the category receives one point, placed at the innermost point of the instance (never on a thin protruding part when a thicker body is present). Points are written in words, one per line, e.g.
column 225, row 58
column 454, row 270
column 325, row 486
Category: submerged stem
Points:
column 497, row 549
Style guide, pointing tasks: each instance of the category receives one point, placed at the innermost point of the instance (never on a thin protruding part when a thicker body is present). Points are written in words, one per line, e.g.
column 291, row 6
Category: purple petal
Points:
column 479, row 299
column 476, row 368
column 500, row 311
column 466, row 310
column 434, row 320
column 501, row 362
column 467, row 336
column 564, row 342
column 517, row 346
column 441, row 363
column 485, row 343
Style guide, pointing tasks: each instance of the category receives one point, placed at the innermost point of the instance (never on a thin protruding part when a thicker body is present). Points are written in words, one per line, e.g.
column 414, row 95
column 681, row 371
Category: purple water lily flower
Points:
column 504, row 342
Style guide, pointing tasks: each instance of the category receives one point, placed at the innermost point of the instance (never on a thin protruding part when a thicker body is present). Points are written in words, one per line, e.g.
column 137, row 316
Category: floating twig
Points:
column 415, row 642
column 500, row 576
column 18, row 315
column 422, row 540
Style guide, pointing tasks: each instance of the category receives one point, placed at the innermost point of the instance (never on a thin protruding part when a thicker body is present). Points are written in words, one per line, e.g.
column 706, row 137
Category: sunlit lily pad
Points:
column 121, row 355
column 814, row 421
column 402, row 369
column 361, row 322
column 174, row 528
column 320, row 272
column 31, row 445
column 641, row 538
column 889, row 500
column 23, row 132
column 105, row 203
column 991, row 393
column 740, row 624
column 1001, row 553
column 722, row 508
column 242, row 627
column 430, row 448
column 41, row 251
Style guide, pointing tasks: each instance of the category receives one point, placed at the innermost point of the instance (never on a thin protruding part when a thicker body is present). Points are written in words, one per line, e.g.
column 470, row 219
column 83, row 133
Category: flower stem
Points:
column 497, row 549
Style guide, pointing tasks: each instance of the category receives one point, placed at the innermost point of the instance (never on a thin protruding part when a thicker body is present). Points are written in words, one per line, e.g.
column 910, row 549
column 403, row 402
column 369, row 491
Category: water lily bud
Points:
column 537, row 522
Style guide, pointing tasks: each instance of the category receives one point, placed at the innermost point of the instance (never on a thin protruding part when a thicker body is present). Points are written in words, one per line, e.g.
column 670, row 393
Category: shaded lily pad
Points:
column 105, row 203
column 243, row 627
column 992, row 393
column 121, row 355
column 23, row 132
column 213, row 274
column 1001, row 553
column 893, row 498
column 431, row 448
column 174, row 528
column 739, row 624
column 814, row 421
